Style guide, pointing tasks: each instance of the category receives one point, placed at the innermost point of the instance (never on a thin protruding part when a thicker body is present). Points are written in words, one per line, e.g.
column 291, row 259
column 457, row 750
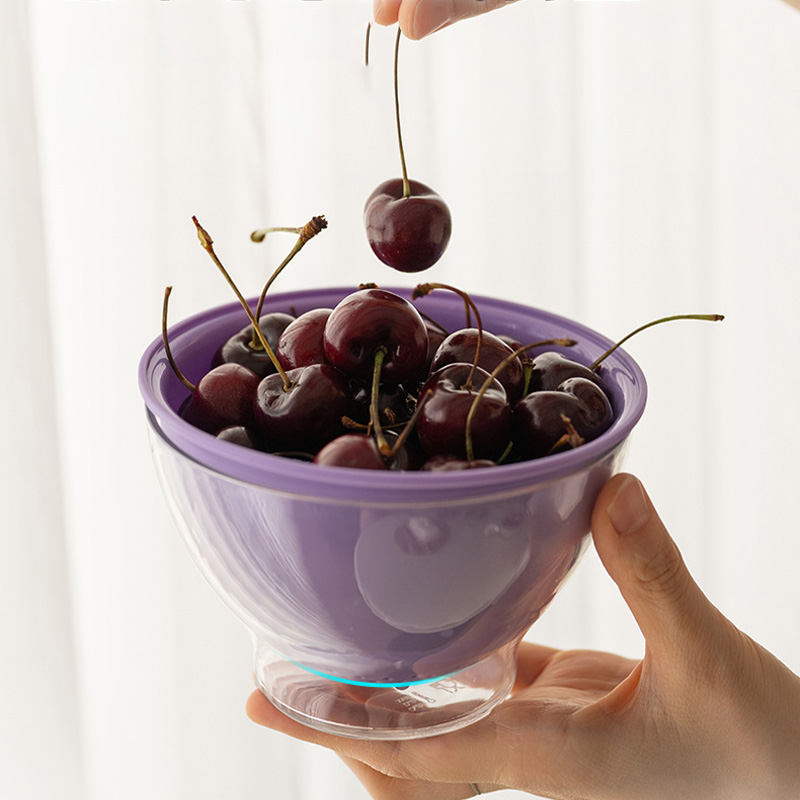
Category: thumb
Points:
column 419, row 18
column 645, row 563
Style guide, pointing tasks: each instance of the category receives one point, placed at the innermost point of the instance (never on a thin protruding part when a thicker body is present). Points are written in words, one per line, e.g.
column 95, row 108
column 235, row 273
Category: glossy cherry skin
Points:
column 441, row 424
column 407, row 233
column 222, row 397
column 238, row 350
column 301, row 342
column 549, row 370
column 513, row 343
column 540, row 418
column 460, row 346
column 408, row 456
column 372, row 318
column 436, row 336
column 355, row 450
column 238, row 434
column 600, row 414
column 395, row 404
column 307, row 416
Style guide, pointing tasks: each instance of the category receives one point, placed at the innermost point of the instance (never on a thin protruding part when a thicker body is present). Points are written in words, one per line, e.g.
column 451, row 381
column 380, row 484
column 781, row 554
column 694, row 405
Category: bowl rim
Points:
column 272, row 471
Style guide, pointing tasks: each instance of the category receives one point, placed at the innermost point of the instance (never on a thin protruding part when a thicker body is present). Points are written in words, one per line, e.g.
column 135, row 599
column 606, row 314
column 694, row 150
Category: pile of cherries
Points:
column 373, row 384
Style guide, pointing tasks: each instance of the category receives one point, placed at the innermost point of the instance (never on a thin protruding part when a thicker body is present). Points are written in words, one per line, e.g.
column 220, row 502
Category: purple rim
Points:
column 628, row 385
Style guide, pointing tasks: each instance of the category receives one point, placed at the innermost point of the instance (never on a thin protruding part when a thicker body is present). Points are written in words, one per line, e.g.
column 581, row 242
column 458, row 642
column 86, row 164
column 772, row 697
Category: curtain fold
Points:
column 40, row 733
column 614, row 162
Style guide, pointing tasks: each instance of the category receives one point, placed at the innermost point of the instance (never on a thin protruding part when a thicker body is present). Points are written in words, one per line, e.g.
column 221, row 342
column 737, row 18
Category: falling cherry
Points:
column 408, row 224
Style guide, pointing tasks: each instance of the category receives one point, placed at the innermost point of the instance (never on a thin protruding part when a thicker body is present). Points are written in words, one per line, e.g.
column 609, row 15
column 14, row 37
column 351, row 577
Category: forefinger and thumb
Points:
column 673, row 614
column 420, row 18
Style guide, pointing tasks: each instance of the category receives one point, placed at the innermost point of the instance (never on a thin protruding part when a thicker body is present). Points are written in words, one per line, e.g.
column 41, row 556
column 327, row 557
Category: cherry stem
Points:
column 353, row 425
column 505, row 454
column 409, row 426
column 164, row 311
column 260, row 234
column 571, row 437
column 208, row 245
column 434, row 322
column 308, row 231
column 426, row 288
column 703, row 317
column 493, row 375
column 406, row 185
column 374, row 410
column 366, row 44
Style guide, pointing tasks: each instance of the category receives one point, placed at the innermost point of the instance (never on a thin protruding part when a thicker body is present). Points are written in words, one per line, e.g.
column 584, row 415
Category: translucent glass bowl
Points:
column 382, row 605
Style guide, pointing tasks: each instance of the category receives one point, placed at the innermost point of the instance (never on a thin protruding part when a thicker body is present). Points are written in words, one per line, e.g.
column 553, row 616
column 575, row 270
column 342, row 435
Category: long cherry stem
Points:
column 164, row 311
column 208, row 245
column 426, row 288
column 314, row 226
column 374, row 410
column 409, row 426
column 704, row 317
column 406, row 184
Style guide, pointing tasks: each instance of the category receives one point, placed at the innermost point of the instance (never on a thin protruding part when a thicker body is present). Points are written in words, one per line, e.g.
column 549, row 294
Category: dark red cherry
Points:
column 549, row 370
column 222, row 397
column 407, row 455
column 460, row 346
column 238, row 434
column 599, row 413
column 550, row 421
column 441, row 424
column 370, row 319
column 306, row 416
column 395, row 404
column 301, row 342
column 408, row 225
column 408, row 233
column 436, row 335
column 354, row 450
column 239, row 348
column 512, row 342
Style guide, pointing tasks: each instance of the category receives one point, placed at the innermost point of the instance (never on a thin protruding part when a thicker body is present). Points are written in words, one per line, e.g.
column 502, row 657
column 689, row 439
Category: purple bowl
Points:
column 382, row 604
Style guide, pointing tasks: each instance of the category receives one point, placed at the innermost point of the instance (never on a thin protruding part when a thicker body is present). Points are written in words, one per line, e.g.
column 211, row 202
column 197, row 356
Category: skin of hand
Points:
column 707, row 714
column 419, row 18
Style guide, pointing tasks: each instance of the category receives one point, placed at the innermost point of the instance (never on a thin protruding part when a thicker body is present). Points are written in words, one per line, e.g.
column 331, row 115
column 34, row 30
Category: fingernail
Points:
column 630, row 508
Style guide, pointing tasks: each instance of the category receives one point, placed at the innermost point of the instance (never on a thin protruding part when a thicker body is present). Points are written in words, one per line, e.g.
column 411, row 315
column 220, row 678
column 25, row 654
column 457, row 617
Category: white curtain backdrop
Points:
column 610, row 161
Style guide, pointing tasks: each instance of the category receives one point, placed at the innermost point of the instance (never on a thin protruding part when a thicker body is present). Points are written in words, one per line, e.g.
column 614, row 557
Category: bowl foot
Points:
column 374, row 711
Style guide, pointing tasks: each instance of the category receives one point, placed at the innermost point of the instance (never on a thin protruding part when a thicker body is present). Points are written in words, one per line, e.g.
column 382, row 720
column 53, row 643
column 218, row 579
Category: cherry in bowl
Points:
column 383, row 604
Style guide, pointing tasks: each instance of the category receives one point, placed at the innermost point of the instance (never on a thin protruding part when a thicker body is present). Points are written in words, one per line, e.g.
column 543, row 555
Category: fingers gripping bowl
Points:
column 382, row 604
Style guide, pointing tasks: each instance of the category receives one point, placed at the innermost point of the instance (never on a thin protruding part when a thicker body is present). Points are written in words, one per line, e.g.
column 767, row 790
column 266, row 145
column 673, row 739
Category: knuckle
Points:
column 662, row 572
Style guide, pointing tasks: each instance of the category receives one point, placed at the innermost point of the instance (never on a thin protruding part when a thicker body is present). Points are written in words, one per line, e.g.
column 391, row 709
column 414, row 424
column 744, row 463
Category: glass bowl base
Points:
column 376, row 711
